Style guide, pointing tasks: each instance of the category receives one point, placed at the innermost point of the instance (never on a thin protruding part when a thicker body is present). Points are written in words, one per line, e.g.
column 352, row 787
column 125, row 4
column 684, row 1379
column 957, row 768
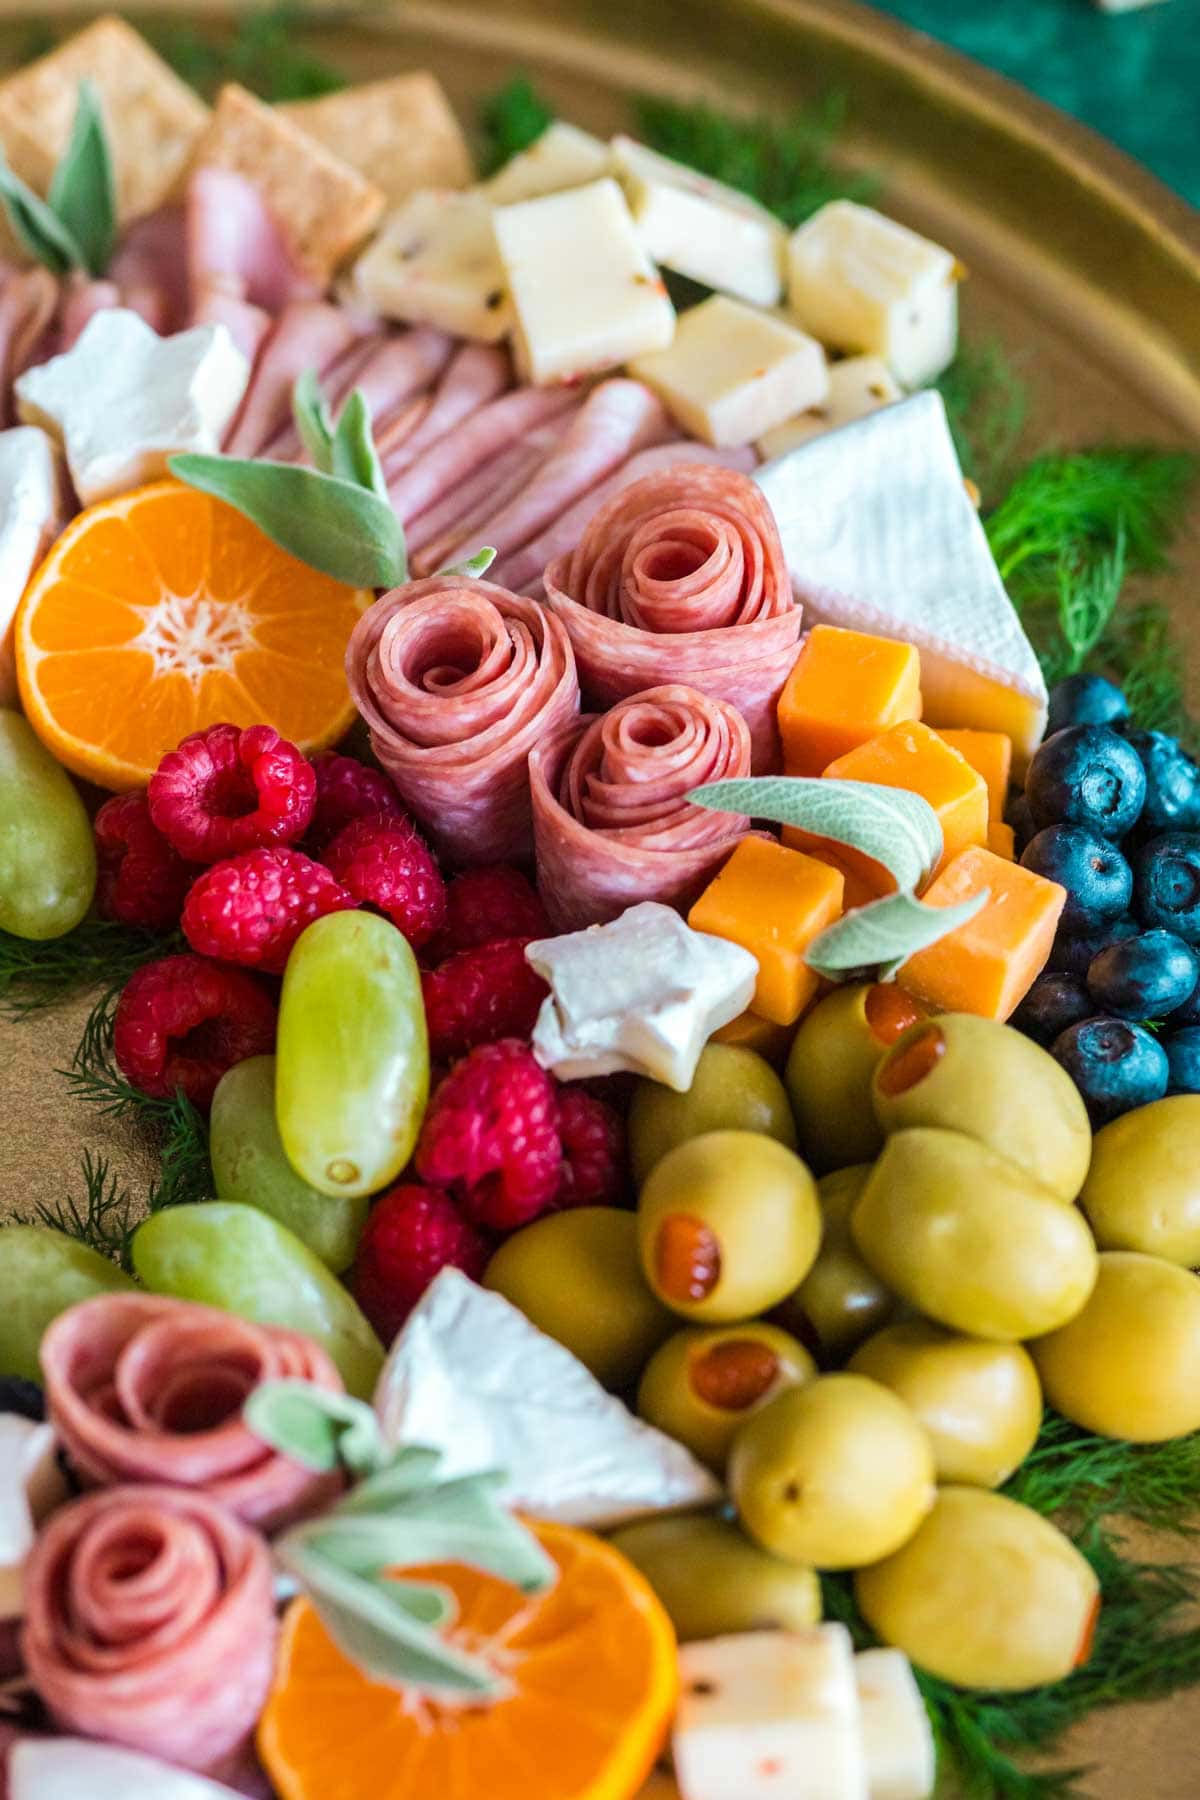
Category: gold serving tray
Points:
column 1082, row 264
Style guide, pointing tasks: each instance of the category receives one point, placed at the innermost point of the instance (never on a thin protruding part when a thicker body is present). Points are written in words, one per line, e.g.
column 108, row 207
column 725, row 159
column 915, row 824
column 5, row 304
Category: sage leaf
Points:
column 83, row 192
column 36, row 226
column 355, row 457
column 316, row 1428
column 890, row 825
column 313, row 424
column 476, row 565
column 876, row 940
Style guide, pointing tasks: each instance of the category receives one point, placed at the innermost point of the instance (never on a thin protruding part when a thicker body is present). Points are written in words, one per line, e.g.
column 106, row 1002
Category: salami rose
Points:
column 144, row 1388
column 611, row 822
column 150, row 1621
column 682, row 577
column 458, row 679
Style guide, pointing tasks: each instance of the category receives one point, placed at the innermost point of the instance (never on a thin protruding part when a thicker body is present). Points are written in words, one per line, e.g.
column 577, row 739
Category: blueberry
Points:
column 1166, row 881
column 1052, row 1003
column 1145, row 977
column 1085, row 700
column 20, row 1396
column 1098, row 880
column 1183, row 1060
column 1020, row 818
column 1188, row 1014
column 1172, row 783
column 1075, row 951
column 1115, row 1065
column 1087, row 775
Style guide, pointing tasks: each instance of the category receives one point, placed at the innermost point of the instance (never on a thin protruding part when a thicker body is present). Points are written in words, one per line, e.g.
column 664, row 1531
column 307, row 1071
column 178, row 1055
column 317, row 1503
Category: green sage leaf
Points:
column 355, row 457
column 476, row 565
column 313, row 423
column 875, row 941
column 316, row 1428
column 36, row 226
column 890, row 825
column 83, row 192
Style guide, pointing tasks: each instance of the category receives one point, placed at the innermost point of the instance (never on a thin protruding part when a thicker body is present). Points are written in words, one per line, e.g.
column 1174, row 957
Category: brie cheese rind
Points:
column 858, row 385
column 643, row 994
column 70, row 1768
column 435, row 262
column 897, row 1735
column 563, row 157
column 881, row 536
column 469, row 1376
column 31, row 1485
column 30, row 516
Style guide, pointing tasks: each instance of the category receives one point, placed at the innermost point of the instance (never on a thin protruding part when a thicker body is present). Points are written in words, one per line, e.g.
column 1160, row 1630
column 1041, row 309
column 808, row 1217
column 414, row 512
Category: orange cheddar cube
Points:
column 846, row 687
column 990, row 754
column 915, row 757
column 864, row 878
column 1002, row 840
column 750, row 1031
column 773, row 902
column 989, row 964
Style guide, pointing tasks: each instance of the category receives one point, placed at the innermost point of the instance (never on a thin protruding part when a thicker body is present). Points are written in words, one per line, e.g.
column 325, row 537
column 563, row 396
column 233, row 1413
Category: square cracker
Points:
column 153, row 119
column 401, row 133
column 324, row 207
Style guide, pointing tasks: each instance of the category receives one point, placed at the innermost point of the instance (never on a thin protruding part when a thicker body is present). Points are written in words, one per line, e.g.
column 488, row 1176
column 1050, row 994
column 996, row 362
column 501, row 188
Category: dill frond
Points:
column 103, row 1219
column 261, row 52
column 1072, row 1471
column 986, row 403
column 35, row 975
column 1077, row 501
column 511, row 120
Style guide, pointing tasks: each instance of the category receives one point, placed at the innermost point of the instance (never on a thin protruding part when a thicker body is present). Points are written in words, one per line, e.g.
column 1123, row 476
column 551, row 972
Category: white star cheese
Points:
column 122, row 399
column 563, row 157
column 80, row 1769
column 31, row 1485
column 897, row 1735
column 30, row 514
column 471, row 1377
column 880, row 536
column 858, row 385
column 644, row 993
column 435, row 262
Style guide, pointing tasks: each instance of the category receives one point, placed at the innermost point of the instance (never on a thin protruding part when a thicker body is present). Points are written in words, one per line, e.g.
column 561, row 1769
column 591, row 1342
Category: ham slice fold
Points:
column 611, row 821
column 682, row 576
column 475, row 374
column 308, row 334
column 147, row 1389
column 458, row 679
column 150, row 1622
column 460, row 452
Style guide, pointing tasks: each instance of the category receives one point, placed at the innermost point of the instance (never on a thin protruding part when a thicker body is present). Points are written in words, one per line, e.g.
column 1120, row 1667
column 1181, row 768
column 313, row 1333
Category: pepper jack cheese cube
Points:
column 701, row 228
column 897, row 1736
column 913, row 757
column 435, row 263
column 773, row 902
column 30, row 513
column 731, row 372
column 858, row 385
column 990, row 755
column 846, row 688
column 563, row 157
column 988, row 965
column 862, row 282
column 585, row 294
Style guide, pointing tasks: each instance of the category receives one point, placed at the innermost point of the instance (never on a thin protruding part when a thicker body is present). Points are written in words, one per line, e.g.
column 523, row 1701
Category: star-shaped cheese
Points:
column 122, row 399
column 31, row 1485
column 644, row 994
column 70, row 1768
column 30, row 511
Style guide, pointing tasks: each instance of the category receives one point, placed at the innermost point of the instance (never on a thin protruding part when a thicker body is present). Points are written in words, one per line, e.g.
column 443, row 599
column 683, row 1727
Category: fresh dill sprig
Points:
column 35, row 975
column 1140, row 653
column 261, row 52
column 511, row 120
column 987, row 403
column 1077, row 501
column 1070, row 1470
column 104, row 1219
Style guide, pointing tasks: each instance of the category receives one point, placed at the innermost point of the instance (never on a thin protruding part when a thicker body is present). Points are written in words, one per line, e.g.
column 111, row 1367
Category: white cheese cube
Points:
column 732, row 373
column 858, row 385
column 435, row 262
column 30, row 514
column 770, row 1714
column 701, row 228
column 859, row 281
column 585, row 294
column 897, row 1735
column 123, row 400
column 563, row 157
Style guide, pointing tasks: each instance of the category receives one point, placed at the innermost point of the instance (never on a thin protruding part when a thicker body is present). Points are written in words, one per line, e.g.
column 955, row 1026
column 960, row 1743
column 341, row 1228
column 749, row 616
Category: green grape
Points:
column 245, row 1262
column 352, row 1070
column 249, row 1166
column 47, row 853
column 42, row 1272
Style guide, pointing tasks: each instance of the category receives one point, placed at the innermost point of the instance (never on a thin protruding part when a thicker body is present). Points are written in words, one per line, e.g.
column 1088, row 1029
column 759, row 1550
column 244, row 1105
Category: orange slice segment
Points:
column 165, row 611
column 593, row 1668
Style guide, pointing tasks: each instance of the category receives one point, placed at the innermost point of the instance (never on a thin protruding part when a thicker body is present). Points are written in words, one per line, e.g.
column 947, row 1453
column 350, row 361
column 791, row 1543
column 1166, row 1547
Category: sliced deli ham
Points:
column 683, row 577
column 460, row 452
column 611, row 819
column 476, row 374
column 458, row 680
column 308, row 334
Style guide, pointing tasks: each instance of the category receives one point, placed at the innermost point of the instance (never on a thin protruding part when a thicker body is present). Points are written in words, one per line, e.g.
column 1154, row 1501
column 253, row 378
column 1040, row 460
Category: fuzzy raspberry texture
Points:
column 385, row 863
column 478, row 996
column 485, row 904
column 140, row 880
column 226, row 790
column 183, row 1021
column 491, row 1136
column 593, row 1147
column 413, row 1233
column 347, row 790
column 252, row 908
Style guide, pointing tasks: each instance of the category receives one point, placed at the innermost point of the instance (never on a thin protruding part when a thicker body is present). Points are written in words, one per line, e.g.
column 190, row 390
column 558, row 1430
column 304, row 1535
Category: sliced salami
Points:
column 612, row 824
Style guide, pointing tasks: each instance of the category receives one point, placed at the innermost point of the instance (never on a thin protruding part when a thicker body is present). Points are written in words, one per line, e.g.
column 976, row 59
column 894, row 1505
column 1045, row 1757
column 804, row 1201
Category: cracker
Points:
column 400, row 133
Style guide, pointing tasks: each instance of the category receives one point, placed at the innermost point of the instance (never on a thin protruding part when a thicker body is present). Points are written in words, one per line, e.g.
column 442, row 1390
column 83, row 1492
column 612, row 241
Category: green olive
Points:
column 840, row 1301
column 1143, row 1188
column 732, row 1090
column 970, row 1239
column 1128, row 1365
column 834, row 1474
column 980, row 1402
column 702, row 1384
column 986, row 1594
column 714, row 1582
column 833, row 1057
column 992, row 1083
column 729, row 1225
column 575, row 1275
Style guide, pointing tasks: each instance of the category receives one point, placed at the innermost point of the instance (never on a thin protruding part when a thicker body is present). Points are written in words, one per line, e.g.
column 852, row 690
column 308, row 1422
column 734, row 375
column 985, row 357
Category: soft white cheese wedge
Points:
column 644, row 993
column 122, row 399
column 563, row 157
column 471, row 1377
column 31, row 1485
column 768, row 1714
column 435, row 262
column 732, row 373
column 30, row 514
column 701, row 228
column 585, row 294
column 881, row 536
column 860, row 281
column 858, row 385
column 897, row 1735
column 82, row 1769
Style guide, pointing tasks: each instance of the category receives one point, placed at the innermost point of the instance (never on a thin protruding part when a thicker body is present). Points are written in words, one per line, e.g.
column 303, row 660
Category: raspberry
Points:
column 182, row 1021
column 413, row 1233
column 485, row 904
column 346, row 790
column 141, row 881
column 225, row 790
column 252, row 908
column 491, row 1135
column 479, row 995
column 593, row 1146
column 385, row 863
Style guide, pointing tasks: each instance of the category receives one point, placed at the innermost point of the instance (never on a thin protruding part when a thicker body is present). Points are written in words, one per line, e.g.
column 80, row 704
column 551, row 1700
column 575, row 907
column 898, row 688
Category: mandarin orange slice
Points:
column 594, row 1684
column 165, row 611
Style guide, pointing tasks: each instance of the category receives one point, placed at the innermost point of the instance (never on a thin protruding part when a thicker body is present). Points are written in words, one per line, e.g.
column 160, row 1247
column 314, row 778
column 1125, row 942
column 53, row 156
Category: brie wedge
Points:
column 31, row 1485
column 435, row 262
column 68, row 1768
column 563, row 157
column 30, row 513
column 897, row 1735
column 881, row 536
column 858, row 385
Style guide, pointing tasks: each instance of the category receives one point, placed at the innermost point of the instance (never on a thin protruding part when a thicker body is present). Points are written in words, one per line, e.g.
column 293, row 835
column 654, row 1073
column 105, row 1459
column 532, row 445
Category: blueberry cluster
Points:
column 1113, row 813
